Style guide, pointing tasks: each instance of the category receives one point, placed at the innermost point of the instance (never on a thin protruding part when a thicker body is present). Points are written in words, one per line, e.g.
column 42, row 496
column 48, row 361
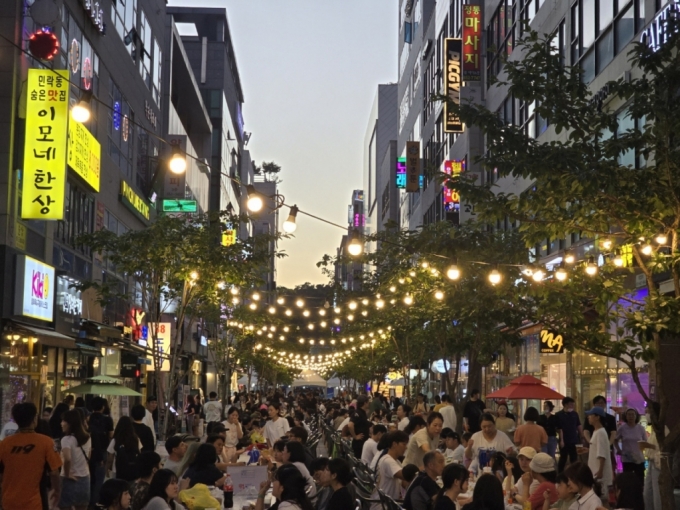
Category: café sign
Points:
column 657, row 33
column 35, row 292
column 551, row 343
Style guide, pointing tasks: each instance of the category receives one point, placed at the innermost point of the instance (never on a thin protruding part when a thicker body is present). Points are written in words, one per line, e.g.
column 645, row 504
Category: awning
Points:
column 98, row 329
column 48, row 337
column 89, row 350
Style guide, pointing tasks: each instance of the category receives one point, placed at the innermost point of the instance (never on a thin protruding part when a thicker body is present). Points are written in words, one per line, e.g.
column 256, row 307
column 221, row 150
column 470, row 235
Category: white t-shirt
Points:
column 588, row 502
column 457, row 455
column 369, row 450
column 311, row 484
column 599, row 448
column 289, row 505
column 449, row 414
column 343, row 423
column 520, row 486
column 79, row 463
column 212, row 410
column 9, row 429
column 275, row 430
column 403, row 423
column 385, row 480
column 148, row 421
column 500, row 443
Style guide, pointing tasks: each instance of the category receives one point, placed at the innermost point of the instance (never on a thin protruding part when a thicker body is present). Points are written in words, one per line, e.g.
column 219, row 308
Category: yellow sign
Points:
column 228, row 237
column 19, row 236
column 551, row 343
column 44, row 175
column 84, row 153
column 132, row 199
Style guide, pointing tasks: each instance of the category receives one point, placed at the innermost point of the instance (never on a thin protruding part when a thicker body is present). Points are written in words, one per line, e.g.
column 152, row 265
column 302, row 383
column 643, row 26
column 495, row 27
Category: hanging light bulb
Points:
column 412, row 274
column 606, row 244
column 352, row 305
column 569, row 258
column 646, row 249
column 618, row 259
column 591, row 267
column 289, row 313
column 280, row 300
column 561, row 274
column 393, row 288
column 310, row 326
column 661, row 239
column 495, row 277
column 253, row 306
column 337, row 309
column 365, row 301
column 336, row 321
column 424, row 265
column 453, row 273
column 271, row 310
column 408, row 299
column 439, row 295
column 355, row 246
column 81, row 111
column 364, row 313
column 289, row 226
column 537, row 275
column 323, row 324
column 178, row 161
column 401, row 280
column 234, row 290
column 299, row 303
column 306, row 313
column 286, row 329
column 322, row 313
column 235, row 300
column 379, row 304
column 256, row 296
column 254, row 202
column 350, row 317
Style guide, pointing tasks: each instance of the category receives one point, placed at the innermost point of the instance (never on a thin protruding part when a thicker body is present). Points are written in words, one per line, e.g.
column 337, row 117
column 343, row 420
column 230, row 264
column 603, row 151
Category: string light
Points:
column 289, row 313
column 561, row 274
column 606, row 244
column 618, row 259
column 306, row 313
column 439, row 295
column 453, row 273
column 352, row 305
column 289, row 226
column 661, row 239
column 271, row 310
column 280, row 301
column 646, row 249
column 495, row 277
column 254, row 202
column 234, row 291
column 538, row 275
column 591, row 267
column 379, row 304
column 322, row 312
column 569, row 258
column 408, row 299
column 299, row 303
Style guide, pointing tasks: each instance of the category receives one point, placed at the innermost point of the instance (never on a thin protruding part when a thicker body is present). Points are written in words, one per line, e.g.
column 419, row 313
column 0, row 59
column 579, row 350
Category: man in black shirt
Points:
column 549, row 422
column 143, row 432
column 359, row 426
column 608, row 421
column 472, row 413
column 101, row 432
column 424, row 486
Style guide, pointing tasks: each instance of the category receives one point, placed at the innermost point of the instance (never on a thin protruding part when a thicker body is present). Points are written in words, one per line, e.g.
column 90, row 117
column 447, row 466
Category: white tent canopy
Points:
column 309, row 378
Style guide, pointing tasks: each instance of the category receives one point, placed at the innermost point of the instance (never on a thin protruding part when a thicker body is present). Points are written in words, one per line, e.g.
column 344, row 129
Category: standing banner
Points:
column 472, row 43
column 412, row 166
column 452, row 79
column 163, row 342
column 44, row 172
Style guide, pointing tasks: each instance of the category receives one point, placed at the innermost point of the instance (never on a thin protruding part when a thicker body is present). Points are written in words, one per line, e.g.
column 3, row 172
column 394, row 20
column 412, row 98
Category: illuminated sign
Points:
column 96, row 13
column 472, row 43
column 69, row 306
column 359, row 220
column 87, row 73
column 452, row 79
column 74, row 56
column 401, row 173
column 35, row 295
column 551, row 343
column 134, row 202
column 162, row 346
column 84, row 153
column 181, row 206
column 451, row 197
column 412, row 166
column 44, row 175
column 657, row 33
column 228, row 237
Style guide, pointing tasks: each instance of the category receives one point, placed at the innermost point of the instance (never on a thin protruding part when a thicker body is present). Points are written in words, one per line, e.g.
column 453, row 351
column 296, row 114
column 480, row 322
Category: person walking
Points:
column 472, row 413
column 76, row 448
column 448, row 412
column 570, row 432
column 531, row 434
column 101, row 432
column 24, row 457
column 549, row 423
column 143, row 432
column 630, row 433
column 212, row 409
column 599, row 458
column 190, row 414
column 276, row 427
column 149, row 420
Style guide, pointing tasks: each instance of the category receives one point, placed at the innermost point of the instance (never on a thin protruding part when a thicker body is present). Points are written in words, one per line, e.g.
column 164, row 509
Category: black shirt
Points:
column 100, row 427
column 549, row 423
column 361, row 424
column 145, row 436
column 609, row 423
column 473, row 412
column 422, row 489
column 340, row 500
column 207, row 475
column 444, row 503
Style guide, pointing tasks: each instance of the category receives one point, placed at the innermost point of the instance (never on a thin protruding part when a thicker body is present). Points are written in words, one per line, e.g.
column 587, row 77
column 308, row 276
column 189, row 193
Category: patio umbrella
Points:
column 526, row 387
column 102, row 385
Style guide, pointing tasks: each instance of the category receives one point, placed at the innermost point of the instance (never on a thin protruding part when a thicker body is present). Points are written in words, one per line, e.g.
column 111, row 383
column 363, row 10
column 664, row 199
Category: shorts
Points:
column 75, row 492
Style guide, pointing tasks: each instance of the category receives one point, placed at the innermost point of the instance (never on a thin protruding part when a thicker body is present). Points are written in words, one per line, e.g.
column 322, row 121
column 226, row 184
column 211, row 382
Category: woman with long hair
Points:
column 124, row 449
column 294, row 453
column 454, row 483
column 415, row 423
column 55, row 421
column 503, row 422
column 233, row 433
column 203, row 469
column 76, row 448
column 487, row 495
column 583, row 484
column 114, row 495
column 163, row 490
column 513, row 473
column 288, row 488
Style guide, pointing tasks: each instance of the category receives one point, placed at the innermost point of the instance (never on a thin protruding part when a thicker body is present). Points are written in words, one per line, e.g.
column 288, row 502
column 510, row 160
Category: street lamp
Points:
column 178, row 162
column 355, row 246
column 81, row 110
column 289, row 226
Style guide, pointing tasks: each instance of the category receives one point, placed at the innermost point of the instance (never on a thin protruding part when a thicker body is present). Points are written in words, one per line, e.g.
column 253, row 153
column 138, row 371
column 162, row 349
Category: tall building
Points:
column 348, row 272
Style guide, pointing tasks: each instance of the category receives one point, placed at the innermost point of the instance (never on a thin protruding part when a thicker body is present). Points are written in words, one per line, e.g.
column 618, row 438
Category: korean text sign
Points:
column 84, row 153
column 35, row 289
column 412, row 166
column 163, row 337
column 452, row 82
column 452, row 197
column 44, row 175
column 472, row 43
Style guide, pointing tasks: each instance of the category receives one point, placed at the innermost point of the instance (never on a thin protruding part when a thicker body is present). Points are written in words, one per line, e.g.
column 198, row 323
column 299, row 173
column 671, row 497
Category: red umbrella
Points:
column 525, row 387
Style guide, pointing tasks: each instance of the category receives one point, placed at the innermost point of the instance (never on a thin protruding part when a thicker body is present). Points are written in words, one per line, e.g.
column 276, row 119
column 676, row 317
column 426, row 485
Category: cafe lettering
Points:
column 551, row 343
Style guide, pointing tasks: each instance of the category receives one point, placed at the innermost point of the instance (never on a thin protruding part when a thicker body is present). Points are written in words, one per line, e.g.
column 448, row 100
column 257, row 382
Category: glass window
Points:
column 605, row 50
column 606, row 14
column 157, row 59
column 588, row 67
column 124, row 17
column 120, row 141
column 625, row 124
column 625, row 29
column 588, row 16
column 146, row 49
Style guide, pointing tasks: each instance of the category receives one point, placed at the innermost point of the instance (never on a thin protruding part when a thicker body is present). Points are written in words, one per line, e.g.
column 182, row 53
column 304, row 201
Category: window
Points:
column 120, row 138
column 144, row 52
column 608, row 25
column 114, row 225
column 78, row 218
column 158, row 63
column 124, row 17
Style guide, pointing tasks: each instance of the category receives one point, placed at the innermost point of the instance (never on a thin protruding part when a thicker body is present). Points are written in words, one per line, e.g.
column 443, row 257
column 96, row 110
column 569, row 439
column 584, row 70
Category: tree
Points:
column 176, row 266
column 611, row 175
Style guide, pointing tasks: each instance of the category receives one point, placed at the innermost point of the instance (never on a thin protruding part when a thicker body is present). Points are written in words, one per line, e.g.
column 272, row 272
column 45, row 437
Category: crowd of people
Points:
column 73, row 457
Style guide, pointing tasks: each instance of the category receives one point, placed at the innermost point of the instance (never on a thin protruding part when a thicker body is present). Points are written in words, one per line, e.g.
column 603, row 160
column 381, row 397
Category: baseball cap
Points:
column 542, row 463
column 527, row 452
column 596, row 410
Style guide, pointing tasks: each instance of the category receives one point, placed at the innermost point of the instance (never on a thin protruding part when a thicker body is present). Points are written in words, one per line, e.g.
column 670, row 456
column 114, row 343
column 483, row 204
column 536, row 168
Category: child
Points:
column 566, row 497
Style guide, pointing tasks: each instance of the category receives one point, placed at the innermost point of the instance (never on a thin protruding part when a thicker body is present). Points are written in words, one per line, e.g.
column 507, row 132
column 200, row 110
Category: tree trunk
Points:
column 666, row 481
column 474, row 373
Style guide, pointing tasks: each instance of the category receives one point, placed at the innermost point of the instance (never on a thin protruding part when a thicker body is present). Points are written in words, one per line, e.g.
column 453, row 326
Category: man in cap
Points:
column 525, row 456
column 599, row 458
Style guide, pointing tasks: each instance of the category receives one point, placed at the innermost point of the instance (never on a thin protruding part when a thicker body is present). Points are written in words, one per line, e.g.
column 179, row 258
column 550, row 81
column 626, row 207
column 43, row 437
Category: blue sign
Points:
column 116, row 116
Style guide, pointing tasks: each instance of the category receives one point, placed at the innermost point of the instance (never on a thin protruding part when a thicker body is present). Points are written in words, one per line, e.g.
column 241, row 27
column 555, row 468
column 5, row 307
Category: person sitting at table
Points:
column 423, row 441
column 525, row 457
column 340, row 476
column 203, row 468
column 487, row 439
column 454, row 483
column 565, row 497
column 421, row 491
column 583, row 484
column 513, row 472
column 487, row 494
column 294, row 453
column 454, row 451
column 542, row 468
column 288, row 488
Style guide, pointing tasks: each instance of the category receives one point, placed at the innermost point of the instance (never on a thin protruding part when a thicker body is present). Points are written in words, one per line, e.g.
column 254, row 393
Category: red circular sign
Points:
column 43, row 45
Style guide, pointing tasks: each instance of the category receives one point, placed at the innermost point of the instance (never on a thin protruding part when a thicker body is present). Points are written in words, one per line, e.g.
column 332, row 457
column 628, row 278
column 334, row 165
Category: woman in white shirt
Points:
column 583, row 484
column 233, row 433
column 487, row 440
column 75, row 452
column 294, row 453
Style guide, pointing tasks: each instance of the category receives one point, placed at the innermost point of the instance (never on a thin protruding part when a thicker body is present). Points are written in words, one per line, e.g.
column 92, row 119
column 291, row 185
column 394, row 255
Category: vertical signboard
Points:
column 163, row 346
column 44, row 175
column 472, row 43
column 84, row 153
column 34, row 282
column 175, row 184
column 412, row 166
column 452, row 79
column 401, row 173
column 452, row 197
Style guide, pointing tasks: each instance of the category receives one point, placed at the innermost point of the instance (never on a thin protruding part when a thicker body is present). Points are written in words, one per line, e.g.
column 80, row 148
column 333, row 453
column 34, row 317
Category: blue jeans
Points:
column 97, row 475
column 551, row 447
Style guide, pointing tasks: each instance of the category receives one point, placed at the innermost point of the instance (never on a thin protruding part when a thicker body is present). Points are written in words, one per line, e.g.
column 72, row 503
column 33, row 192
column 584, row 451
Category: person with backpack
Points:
column 75, row 451
column 124, row 449
column 101, row 432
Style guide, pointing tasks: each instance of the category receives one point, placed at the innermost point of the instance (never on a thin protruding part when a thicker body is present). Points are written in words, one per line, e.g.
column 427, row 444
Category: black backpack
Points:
column 99, row 437
column 126, row 463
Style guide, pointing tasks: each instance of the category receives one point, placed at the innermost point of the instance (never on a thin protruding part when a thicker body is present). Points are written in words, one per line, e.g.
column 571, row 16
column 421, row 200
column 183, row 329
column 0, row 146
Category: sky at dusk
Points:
column 309, row 71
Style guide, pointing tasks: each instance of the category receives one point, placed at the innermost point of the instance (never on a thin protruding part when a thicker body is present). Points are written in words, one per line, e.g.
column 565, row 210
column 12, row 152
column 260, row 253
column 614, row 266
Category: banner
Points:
column 412, row 166
column 452, row 197
column 472, row 43
column 163, row 342
column 452, row 79
column 44, row 172
column 84, row 153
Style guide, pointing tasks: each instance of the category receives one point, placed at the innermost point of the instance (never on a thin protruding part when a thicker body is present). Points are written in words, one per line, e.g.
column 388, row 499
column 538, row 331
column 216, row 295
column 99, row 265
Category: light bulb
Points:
column 364, row 313
column 253, row 306
column 439, row 295
column 561, row 274
column 646, row 249
column 618, row 260
column 323, row 324
column 256, row 296
column 350, row 317
column 337, row 309
column 606, row 244
column 81, row 111
column 280, row 301
column 661, row 239
column 234, row 290
column 255, row 202
column 289, row 313
column 412, row 274
column 271, row 310
column 495, row 277
column 402, row 280
column 194, row 275
column 365, row 301
column 591, row 267
column 425, row 265
column 569, row 258
column 310, row 326
column 408, row 299
column 352, row 305
column 453, row 273
column 336, row 321
column 289, row 226
column 178, row 162
column 379, row 303
column 286, row 329
column 537, row 275
column 235, row 300
column 306, row 313
column 355, row 247
column 322, row 313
